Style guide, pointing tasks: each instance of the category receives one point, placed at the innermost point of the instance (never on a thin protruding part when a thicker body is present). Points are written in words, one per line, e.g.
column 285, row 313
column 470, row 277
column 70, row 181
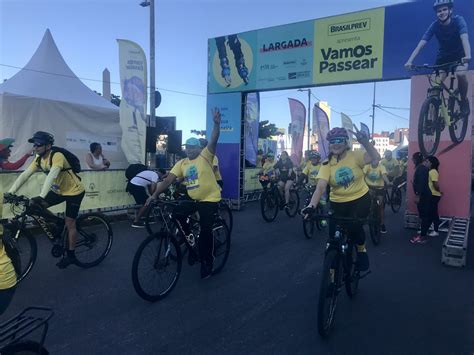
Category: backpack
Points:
column 133, row 170
column 71, row 158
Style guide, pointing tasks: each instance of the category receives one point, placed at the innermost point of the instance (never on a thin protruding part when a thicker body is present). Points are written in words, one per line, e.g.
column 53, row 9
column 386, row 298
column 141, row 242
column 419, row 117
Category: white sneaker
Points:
column 433, row 234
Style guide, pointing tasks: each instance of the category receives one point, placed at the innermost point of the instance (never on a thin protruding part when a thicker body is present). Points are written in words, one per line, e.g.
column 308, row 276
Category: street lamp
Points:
column 151, row 4
column 309, row 114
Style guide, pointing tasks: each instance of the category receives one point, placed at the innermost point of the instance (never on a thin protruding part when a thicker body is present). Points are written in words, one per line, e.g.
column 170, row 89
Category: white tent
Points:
column 47, row 96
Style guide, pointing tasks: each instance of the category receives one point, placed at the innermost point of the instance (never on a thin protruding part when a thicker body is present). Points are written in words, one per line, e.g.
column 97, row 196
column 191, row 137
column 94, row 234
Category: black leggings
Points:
column 359, row 208
column 6, row 297
column 424, row 207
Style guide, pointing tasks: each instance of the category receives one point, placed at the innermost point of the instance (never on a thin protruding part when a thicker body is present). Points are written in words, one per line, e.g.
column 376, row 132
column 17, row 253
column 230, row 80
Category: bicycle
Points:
column 441, row 108
column 393, row 198
column 14, row 330
column 339, row 268
column 271, row 200
column 158, row 260
column 94, row 235
column 375, row 223
column 310, row 224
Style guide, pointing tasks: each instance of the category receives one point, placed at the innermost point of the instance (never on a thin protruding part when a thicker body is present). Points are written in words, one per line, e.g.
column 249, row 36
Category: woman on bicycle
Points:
column 349, row 195
column 286, row 175
column 376, row 178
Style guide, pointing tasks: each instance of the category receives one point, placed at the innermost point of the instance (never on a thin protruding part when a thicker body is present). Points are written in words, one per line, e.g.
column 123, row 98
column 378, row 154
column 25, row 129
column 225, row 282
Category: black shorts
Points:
column 138, row 193
column 73, row 203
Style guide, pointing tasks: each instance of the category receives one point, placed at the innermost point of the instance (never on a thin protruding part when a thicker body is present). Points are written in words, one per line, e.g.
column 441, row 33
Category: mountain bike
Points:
column 393, row 197
column 441, row 108
column 157, row 262
column 339, row 268
column 94, row 235
column 310, row 224
column 272, row 200
column 13, row 332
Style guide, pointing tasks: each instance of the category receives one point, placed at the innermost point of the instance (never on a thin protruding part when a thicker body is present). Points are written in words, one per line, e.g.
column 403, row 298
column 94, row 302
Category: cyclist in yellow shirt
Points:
column 7, row 272
column 376, row 178
column 198, row 173
column 349, row 194
column 391, row 165
column 61, row 185
column 311, row 170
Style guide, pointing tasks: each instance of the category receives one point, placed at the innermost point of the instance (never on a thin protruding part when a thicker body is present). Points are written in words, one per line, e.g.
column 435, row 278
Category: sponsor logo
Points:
column 349, row 27
column 284, row 45
column 299, row 75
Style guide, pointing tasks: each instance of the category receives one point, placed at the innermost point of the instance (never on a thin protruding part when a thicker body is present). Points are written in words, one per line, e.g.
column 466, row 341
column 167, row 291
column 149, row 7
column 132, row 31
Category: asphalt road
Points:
column 263, row 302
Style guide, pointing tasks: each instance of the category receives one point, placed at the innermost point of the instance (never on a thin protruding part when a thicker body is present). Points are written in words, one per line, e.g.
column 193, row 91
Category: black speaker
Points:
column 175, row 141
column 151, row 137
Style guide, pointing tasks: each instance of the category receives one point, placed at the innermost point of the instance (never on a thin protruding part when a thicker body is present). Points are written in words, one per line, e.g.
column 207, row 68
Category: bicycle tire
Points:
column 24, row 347
column 293, row 204
column 352, row 274
column 329, row 291
column 26, row 247
column 463, row 120
column 94, row 239
column 226, row 213
column 374, row 224
column 221, row 242
column 309, row 226
column 269, row 205
column 429, row 126
column 396, row 200
column 162, row 250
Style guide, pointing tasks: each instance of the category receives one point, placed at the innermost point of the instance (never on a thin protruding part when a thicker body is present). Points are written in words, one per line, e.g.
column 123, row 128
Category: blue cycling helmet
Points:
column 438, row 3
column 314, row 155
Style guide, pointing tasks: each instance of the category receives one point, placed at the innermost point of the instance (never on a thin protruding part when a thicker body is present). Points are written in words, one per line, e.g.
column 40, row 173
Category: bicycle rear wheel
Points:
column 269, row 205
column 293, row 204
column 221, row 238
column 24, row 347
column 458, row 127
column 22, row 250
column 156, row 267
column 352, row 274
column 429, row 130
column 226, row 213
column 396, row 199
column 374, row 230
column 309, row 227
column 331, row 278
column 94, row 239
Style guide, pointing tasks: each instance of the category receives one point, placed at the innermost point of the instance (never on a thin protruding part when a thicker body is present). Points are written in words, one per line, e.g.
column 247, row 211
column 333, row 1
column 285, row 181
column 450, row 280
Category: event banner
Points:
column 133, row 82
column 230, row 108
column 321, row 127
column 454, row 156
column 298, row 120
column 252, row 118
column 347, row 124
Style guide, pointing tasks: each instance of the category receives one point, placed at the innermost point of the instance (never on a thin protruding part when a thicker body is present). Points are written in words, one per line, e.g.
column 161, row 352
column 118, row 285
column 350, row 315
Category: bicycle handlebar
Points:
column 450, row 66
column 16, row 199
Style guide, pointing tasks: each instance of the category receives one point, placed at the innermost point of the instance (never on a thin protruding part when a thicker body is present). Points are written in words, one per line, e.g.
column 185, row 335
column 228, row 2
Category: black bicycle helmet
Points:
column 41, row 137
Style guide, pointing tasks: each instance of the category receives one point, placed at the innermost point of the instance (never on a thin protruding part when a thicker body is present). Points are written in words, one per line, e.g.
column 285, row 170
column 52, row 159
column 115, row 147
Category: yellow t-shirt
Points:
column 345, row 177
column 311, row 171
column 66, row 183
column 392, row 166
column 199, row 177
column 215, row 165
column 433, row 176
column 374, row 176
column 269, row 168
column 7, row 272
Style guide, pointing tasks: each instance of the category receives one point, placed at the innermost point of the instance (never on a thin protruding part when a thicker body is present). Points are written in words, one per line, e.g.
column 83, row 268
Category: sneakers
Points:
column 138, row 224
column 66, row 261
column 433, row 234
column 362, row 261
column 418, row 239
column 383, row 229
column 206, row 270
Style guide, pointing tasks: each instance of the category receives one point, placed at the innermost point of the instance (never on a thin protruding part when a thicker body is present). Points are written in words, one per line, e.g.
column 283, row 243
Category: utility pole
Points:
column 309, row 116
column 373, row 112
column 151, row 4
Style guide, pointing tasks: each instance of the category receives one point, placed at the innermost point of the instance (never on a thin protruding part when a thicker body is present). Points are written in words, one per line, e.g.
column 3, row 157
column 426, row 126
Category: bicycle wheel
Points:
column 269, row 205
column 429, row 130
column 396, row 199
column 226, row 213
column 331, row 278
column 221, row 236
column 374, row 223
column 94, row 239
column 24, row 347
column 293, row 204
column 156, row 266
column 352, row 274
column 458, row 127
column 23, row 251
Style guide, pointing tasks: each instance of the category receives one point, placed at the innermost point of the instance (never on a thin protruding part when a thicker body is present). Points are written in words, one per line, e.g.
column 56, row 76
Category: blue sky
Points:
column 86, row 31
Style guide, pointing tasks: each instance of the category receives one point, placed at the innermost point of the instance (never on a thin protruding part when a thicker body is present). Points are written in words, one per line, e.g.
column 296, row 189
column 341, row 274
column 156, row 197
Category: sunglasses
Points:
column 36, row 145
column 337, row 141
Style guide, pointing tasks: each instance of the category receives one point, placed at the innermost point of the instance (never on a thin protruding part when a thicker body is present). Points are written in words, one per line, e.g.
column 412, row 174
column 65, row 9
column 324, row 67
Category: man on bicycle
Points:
column 286, row 175
column 61, row 185
column 453, row 39
column 391, row 165
column 198, row 173
column 311, row 170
